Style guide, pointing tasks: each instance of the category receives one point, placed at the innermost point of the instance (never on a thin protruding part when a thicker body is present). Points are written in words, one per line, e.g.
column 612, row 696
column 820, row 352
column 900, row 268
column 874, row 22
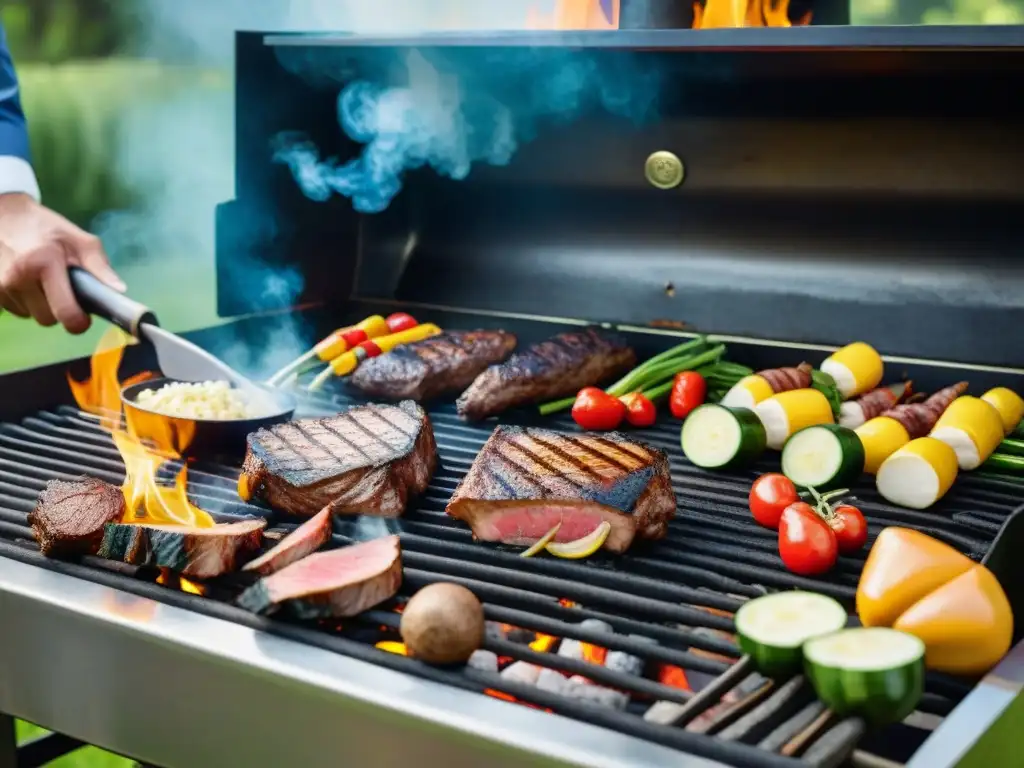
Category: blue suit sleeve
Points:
column 13, row 131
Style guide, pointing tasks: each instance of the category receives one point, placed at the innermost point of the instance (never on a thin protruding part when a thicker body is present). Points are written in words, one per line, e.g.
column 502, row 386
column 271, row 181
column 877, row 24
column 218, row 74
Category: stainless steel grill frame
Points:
column 205, row 661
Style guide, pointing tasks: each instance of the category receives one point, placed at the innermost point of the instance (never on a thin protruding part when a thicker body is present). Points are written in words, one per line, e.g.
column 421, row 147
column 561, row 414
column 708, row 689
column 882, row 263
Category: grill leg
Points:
column 8, row 742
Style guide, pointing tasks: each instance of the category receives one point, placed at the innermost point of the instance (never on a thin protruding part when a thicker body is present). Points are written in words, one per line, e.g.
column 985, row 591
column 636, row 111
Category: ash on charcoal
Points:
column 621, row 661
column 522, row 672
column 497, row 631
column 485, row 661
column 552, row 681
column 572, row 649
column 582, row 689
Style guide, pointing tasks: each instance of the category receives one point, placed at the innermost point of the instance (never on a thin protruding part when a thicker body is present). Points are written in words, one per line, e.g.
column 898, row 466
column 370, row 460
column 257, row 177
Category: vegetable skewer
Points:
column 855, row 412
column 347, row 362
column 340, row 341
column 759, row 386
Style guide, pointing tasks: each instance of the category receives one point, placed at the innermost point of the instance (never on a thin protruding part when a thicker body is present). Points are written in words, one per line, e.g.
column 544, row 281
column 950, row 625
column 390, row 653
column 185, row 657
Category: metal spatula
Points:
column 178, row 358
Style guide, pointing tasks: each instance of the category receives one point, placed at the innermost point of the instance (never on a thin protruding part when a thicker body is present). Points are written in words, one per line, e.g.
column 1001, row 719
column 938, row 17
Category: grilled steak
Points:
column 196, row 553
column 304, row 540
column 525, row 481
column 368, row 460
column 70, row 515
column 558, row 367
column 339, row 583
column 433, row 367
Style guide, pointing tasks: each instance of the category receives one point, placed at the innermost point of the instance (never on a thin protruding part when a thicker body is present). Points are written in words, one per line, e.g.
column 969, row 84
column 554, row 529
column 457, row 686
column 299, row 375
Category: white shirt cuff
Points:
column 16, row 175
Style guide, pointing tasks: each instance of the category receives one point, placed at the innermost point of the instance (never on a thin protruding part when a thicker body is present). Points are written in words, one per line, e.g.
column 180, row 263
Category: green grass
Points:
column 88, row 757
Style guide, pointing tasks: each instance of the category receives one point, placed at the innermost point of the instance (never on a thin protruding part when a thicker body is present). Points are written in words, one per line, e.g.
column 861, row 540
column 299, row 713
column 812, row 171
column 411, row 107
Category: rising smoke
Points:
column 177, row 150
column 453, row 112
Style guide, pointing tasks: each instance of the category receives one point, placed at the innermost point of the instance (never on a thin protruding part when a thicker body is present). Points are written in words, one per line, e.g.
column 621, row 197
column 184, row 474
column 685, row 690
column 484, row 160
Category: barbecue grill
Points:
column 837, row 184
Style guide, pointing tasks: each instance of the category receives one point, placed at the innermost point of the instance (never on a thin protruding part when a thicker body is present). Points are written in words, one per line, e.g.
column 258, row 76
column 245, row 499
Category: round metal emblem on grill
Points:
column 664, row 170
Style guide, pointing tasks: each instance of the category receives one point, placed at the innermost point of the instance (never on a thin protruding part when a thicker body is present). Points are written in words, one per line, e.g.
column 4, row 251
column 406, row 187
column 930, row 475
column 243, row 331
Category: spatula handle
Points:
column 99, row 299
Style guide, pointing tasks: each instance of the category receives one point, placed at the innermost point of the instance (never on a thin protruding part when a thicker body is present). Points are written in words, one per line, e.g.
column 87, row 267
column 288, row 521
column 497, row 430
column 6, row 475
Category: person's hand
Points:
column 36, row 248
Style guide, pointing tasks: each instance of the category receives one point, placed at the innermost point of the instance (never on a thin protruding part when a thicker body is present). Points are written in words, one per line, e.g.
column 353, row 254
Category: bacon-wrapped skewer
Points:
column 919, row 418
column 753, row 389
column 853, row 413
column 884, row 435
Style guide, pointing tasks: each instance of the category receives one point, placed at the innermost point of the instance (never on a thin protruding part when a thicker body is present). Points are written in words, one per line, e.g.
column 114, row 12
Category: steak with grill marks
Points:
column 70, row 515
column 432, row 367
column 526, row 481
column 368, row 460
column 558, row 367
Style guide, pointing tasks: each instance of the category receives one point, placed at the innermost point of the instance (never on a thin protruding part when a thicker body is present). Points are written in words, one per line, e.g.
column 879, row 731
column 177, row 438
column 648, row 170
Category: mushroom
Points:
column 443, row 624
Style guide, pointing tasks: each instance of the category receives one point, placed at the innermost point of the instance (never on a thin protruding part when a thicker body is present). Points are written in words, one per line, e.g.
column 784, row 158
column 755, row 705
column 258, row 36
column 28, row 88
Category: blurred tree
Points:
column 57, row 30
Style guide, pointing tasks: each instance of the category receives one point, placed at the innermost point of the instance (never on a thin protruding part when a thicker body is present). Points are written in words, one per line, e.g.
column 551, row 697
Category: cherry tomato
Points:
column 688, row 391
column 640, row 411
column 769, row 496
column 807, row 544
column 400, row 321
column 595, row 409
column 849, row 526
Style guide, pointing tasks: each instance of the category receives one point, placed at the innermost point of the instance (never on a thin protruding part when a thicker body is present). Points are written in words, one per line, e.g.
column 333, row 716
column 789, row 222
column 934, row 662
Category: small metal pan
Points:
column 199, row 437
column 179, row 360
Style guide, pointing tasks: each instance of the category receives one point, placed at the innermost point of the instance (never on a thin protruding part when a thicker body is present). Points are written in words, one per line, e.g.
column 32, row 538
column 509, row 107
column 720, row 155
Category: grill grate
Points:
column 713, row 558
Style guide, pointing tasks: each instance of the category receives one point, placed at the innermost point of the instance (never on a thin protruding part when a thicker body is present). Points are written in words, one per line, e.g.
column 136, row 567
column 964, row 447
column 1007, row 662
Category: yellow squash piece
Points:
column 1009, row 405
column 580, row 548
column 748, row 392
column 786, row 413
column 966, row 624
column 971, row 427
column 918, row 474
column 918, row 585
column 881, row 437
column 902, row 567
column 857, row 368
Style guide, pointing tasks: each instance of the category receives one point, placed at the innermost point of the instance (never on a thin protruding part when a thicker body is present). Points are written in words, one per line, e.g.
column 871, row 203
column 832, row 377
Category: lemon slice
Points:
column 542, row 542
column 585, row 547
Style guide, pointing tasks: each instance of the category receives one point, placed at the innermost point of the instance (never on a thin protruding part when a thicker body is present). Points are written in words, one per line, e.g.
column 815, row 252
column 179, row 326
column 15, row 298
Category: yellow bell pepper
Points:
column 919, row 585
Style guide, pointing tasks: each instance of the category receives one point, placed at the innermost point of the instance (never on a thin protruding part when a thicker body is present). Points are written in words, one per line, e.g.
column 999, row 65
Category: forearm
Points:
column 16, row 174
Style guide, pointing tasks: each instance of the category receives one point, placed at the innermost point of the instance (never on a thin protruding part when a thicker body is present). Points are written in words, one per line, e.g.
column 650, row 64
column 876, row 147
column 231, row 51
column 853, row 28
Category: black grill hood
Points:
column 841, row 182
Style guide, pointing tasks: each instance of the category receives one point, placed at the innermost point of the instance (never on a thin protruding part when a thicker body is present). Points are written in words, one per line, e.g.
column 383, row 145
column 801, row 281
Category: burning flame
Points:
column 717, row 14
column 576, row 14
column 170, row 579
column 145, row 500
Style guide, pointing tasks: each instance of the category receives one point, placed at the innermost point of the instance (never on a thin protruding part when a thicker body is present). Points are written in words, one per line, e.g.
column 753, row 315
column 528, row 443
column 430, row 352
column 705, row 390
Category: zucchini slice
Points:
column 825, row 456
column 719, row 437
column 873, row 672
column 772, row 629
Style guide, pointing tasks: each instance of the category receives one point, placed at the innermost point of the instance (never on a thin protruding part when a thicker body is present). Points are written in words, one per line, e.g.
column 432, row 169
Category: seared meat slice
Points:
column 433, row 367
column 196, row 553
column 525, row 481
column 70, row 515
column 304, row 540
column 368, row 460
column 558, row 367
column 339, row 583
